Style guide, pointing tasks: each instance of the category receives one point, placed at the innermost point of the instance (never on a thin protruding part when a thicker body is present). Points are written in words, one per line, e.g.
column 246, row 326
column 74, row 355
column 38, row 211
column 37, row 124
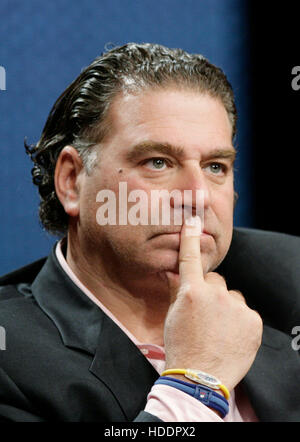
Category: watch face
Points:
column 202, row 378
column 207, row 378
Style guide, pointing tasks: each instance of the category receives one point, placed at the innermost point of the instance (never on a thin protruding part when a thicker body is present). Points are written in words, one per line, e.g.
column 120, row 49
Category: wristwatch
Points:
column 201, row 378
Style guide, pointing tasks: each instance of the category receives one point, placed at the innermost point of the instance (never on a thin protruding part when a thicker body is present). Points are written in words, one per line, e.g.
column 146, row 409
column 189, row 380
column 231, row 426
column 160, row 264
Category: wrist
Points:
column 207, row 396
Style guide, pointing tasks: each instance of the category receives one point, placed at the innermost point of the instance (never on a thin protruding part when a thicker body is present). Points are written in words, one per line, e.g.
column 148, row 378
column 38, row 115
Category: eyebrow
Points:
column 140, row 149
column 226, row 153
column 166, row 148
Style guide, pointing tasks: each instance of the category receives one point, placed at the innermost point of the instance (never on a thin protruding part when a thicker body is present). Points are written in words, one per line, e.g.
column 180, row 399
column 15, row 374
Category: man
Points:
column 119, row 302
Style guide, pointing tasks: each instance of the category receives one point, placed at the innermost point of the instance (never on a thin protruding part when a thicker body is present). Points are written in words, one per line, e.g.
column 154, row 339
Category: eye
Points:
column 217, row 168
column 156, row 163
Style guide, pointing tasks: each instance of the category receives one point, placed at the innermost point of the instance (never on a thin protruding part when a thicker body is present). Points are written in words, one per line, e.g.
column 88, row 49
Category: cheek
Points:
column 133, row 181
column 110, row 201
column 132, row 189
column 223, row 208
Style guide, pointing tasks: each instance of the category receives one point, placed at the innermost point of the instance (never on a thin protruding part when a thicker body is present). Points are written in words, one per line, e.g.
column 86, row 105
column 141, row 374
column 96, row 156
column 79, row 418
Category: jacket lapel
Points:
column 123, row 368
column 272, row 382
column 117, row 361
column 77, row 318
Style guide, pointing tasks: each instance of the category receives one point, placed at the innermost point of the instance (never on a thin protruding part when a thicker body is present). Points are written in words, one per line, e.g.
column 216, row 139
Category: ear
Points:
column 67, row 179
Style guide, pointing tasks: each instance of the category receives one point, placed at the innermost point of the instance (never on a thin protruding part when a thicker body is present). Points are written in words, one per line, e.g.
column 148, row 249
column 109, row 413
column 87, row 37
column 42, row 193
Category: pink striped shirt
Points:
column 163, row 401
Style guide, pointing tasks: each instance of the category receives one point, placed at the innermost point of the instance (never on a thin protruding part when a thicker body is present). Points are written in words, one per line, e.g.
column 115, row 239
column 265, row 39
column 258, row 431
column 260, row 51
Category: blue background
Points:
column 44, row 46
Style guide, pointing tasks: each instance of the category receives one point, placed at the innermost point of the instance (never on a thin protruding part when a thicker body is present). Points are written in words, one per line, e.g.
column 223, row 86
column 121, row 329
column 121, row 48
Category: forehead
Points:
column 179, row 117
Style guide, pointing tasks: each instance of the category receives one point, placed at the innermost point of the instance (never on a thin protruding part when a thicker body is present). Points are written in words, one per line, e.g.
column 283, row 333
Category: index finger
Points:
column 190, row 263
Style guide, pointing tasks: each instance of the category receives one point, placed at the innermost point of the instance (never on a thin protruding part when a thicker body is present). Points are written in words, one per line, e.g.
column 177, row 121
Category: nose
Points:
column 192, row 184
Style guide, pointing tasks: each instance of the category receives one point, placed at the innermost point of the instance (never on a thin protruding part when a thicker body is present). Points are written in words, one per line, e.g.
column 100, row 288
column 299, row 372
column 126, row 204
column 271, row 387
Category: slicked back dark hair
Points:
column 78, row 116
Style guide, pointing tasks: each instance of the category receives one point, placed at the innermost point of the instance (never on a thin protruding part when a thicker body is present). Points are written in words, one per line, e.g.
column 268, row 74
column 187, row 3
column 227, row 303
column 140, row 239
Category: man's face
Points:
column 161, row 140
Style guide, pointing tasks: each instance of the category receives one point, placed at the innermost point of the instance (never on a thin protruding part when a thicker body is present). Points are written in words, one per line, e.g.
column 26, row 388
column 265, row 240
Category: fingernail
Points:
column 193, row 221
column 194, row 226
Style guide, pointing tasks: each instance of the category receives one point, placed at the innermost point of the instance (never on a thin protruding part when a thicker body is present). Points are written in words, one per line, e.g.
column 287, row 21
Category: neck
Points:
column 140, row 302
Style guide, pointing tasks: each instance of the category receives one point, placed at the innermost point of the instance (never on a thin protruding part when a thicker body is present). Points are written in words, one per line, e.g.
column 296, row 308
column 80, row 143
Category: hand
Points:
column 208, row 327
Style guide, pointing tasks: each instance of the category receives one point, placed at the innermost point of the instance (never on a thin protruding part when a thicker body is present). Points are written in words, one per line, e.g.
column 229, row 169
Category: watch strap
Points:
column 200, row 377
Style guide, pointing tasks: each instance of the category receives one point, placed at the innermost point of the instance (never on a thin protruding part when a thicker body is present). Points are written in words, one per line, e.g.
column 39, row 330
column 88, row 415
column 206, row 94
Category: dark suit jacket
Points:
column 65, row 360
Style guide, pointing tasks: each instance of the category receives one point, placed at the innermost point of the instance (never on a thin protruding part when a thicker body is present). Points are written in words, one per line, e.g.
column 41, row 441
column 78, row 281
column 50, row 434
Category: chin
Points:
column 163, row 260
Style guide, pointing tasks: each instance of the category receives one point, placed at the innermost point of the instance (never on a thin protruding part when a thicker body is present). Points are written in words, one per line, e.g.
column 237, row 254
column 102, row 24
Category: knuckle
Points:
column 221, row 278
column 257, row 319
column 188, row 257
column 256, row 327
column 238, row 294
column 215, row 278
column 221, row 295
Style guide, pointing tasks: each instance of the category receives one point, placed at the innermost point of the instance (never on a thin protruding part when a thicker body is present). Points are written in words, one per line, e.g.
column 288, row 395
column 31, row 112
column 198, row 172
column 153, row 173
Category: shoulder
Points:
column 265, row 266
column 27, row 332
column 253, row 247
column 270, row 242
column 17, row 305
column 266, row 255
